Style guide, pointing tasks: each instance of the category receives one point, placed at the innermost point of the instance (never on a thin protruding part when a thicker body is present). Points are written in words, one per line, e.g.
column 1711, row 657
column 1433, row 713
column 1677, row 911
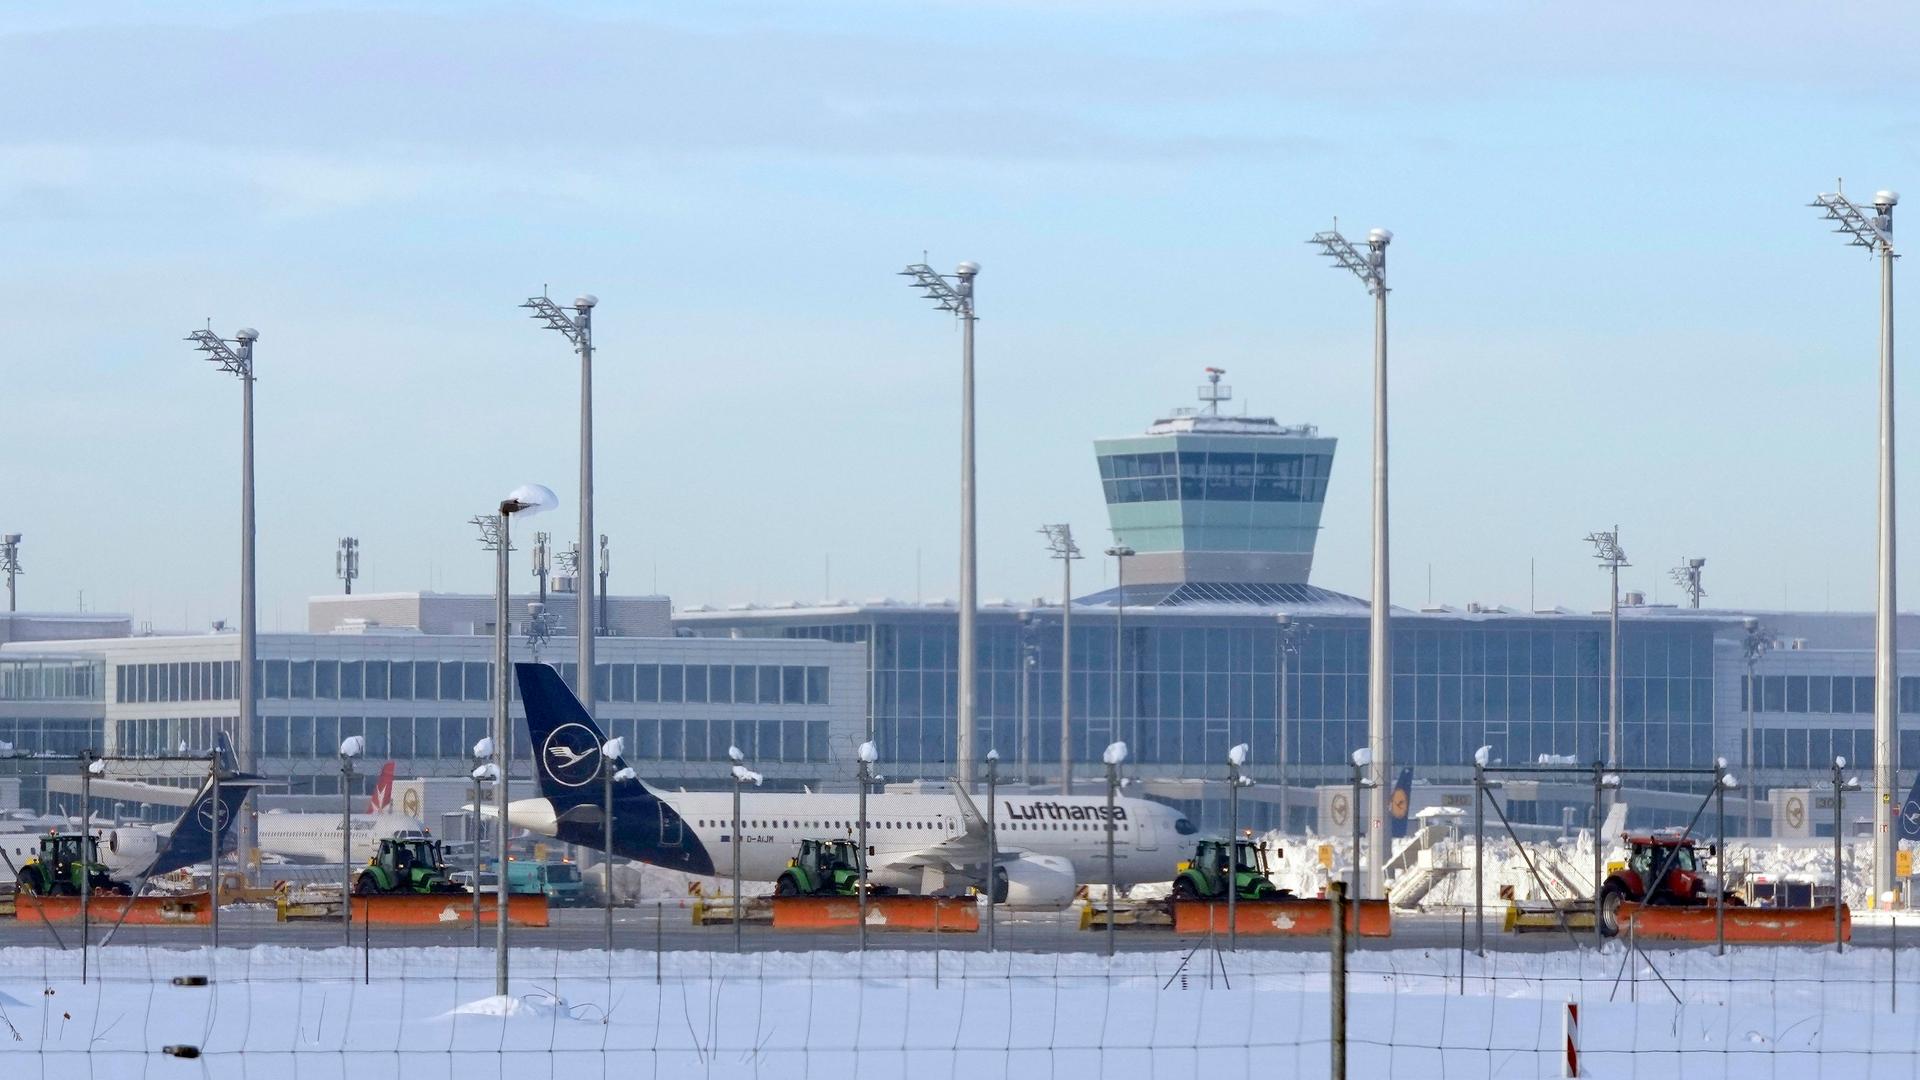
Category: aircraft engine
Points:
column 1036, row 883
column 132, row 843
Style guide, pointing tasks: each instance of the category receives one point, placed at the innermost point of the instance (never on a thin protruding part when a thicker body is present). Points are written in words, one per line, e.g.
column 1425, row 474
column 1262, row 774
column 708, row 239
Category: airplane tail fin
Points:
column 566, row 743
column 223, row 748
column 381, row 801
column 1910, row 813
column 1399, row 803
column 194, row 832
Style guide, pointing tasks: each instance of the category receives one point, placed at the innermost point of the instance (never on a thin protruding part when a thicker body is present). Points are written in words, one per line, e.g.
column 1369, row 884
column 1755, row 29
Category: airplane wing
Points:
column 964, row 853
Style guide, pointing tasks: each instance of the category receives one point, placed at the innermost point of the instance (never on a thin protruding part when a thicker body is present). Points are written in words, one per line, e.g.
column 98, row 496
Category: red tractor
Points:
column 1682, row 880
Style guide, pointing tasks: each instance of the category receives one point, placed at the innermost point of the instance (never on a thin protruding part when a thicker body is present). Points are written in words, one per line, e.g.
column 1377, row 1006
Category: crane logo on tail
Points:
column 571, row 755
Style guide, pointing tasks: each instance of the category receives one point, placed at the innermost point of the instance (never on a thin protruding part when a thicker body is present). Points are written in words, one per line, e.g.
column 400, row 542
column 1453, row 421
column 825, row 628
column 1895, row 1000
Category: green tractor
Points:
column 59, row 868
column 824, row 868
column 1204, row 877
column 405, row 864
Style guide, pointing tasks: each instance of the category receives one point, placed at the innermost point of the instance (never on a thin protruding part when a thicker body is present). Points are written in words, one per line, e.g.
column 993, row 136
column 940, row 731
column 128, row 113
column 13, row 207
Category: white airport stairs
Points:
column 1422, row 863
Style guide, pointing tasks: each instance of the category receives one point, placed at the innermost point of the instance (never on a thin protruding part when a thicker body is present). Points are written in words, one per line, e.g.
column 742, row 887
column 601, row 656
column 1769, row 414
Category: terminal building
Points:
column 1225, row 640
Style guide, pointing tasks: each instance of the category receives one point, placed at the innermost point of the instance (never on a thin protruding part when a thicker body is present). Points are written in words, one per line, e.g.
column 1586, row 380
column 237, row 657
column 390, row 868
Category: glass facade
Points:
column 1194, row 687
column 1215, row 476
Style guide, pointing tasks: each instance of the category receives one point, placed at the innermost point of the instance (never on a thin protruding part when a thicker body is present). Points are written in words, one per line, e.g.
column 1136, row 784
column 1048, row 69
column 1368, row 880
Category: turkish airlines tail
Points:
column 381, row 801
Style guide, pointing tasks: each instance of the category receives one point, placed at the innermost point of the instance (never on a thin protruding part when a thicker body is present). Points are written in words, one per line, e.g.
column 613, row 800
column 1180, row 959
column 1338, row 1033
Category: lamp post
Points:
column 1370, row 268
column 610, row 771
column 351, row 747
column 1875, row 233
column 236, row 358
column 1606, row 548
column 867, row 755
column 955, row 293
column 1362, row 759
column 1841, row 785
column 1060, row 543
column 496, row 532
column 577, row 327
column 1114, row 757
column 993, row 842
column 1287, row 646
column 1023, row 755
column 1236, row 760
column 741, row 775
column 1755, row 642
column 483, row 770
column 1119, row 553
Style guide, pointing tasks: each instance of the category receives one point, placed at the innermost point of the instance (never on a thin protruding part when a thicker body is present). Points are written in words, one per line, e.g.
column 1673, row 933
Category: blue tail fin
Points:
column 1910, row 813
column 1399, row 803
column 193, row 833
column 568, row 759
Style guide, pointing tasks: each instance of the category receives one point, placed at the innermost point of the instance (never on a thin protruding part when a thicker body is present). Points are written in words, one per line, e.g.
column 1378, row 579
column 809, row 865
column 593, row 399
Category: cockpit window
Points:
column 1184, row 827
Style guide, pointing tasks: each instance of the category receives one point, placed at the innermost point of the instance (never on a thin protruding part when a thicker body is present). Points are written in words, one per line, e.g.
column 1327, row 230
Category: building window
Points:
column 352, row 680
column 721, row 684
column 476, row 680
column 816, row 686
column 374, row 680
column 769, row 685
column 301, row 684
column 646, row 682
column 672, row 683
column 696, row 683
column 274, row 685
column 793, row 685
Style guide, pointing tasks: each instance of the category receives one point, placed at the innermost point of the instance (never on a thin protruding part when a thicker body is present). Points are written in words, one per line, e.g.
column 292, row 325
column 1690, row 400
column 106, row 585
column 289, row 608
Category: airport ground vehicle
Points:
column 823, row 868
column 59, row 868
column 1206, row 875
column 559, row 882
column 1665, row 868
column 410, row 864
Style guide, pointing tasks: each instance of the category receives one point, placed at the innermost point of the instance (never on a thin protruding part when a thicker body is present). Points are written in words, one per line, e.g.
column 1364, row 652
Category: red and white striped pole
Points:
column 1570, row 1032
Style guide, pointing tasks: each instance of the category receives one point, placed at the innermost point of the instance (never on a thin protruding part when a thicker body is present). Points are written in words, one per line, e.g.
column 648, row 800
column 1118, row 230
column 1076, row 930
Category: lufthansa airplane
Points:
column 926, row 843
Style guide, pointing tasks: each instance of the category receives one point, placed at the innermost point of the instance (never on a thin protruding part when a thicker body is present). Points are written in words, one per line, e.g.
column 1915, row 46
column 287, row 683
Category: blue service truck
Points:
column 559, row 882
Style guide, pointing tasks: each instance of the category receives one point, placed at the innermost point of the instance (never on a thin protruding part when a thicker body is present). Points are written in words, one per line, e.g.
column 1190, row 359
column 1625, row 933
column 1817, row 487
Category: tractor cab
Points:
column 1664, row 867
column 822, row 868
column 1215, row 862
column 64, row 861
column 409, row 863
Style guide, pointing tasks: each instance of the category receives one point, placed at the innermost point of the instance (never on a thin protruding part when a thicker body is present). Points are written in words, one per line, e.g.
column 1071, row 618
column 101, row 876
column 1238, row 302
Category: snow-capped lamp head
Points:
column 1115, row 754
column 1483, row 757
column 734, row 755
column 614, row 748
column 483, row 749
column 869, row 753
column 353, row 746
column 486, row 773
column 1237, row 756
column 625, row 775
column 1363, row 757
column 993, row 755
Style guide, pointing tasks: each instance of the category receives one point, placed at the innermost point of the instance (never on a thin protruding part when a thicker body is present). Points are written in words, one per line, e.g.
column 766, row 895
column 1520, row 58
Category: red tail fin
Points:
column 381, row 801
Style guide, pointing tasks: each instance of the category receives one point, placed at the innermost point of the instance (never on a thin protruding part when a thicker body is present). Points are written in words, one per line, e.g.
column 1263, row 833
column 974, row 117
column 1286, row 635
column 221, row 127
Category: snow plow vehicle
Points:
column 1662, row 869
column 406, row 865
column 824, row 868
column 1207, row 874
column 59, row 868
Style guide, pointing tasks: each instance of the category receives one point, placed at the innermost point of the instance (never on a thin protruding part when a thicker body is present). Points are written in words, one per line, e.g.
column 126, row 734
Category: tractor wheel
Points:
column 999, row 884
column 367, row 884
column 1183, row 889
column 786, row 886
column 1608, row 914
column 1734, row 900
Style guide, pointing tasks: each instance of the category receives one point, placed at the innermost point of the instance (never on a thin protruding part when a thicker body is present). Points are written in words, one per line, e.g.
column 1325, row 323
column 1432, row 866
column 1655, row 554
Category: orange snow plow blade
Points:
column 941, row 913
column 447, row 909
column 1746, row 925
column 188, row 909
column 1367, row 918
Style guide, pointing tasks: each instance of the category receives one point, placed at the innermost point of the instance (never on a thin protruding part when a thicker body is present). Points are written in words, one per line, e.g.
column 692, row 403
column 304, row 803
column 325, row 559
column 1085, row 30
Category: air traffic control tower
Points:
column 1222, row 507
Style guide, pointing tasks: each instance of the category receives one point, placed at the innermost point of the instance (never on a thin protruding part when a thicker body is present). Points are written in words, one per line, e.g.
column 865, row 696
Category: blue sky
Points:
column 1610, row 302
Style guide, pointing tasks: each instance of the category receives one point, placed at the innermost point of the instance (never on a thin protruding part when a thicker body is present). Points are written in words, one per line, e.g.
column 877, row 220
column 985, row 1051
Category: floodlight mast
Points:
column 1875, row 233
column 10, row 563
column 1370, row 266
column 236, row 358
column 955, row 293
column 1606, row 548
column 1687, row 576
column 576, row 324
column 1060, row 544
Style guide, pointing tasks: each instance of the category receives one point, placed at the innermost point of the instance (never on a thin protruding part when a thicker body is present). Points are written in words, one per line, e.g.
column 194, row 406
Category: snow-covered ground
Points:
column 431, row 1013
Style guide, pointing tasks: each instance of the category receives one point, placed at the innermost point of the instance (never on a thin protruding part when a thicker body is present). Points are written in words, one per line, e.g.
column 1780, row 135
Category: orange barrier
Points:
column 1367, row 918
column 445, row 909
column 187, row 909
column 1746, row 925
column 942, row 913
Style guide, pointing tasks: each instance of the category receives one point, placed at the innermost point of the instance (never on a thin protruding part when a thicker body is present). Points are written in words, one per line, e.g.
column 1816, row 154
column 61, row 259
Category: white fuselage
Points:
column 1150, row 838
column 316, row 837
column 124, row 849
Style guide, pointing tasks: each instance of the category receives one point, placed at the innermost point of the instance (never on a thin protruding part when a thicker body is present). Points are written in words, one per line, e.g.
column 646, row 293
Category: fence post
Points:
column 1570, row 1030
column 1337, row 981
